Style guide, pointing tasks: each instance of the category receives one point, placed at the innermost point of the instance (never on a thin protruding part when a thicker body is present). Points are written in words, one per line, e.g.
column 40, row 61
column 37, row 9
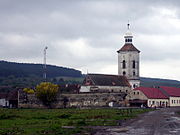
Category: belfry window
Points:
column 134, row 64
column 124, row 64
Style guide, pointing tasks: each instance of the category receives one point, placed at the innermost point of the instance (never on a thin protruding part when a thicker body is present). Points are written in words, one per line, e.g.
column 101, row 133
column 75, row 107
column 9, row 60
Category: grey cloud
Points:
column 101, row 23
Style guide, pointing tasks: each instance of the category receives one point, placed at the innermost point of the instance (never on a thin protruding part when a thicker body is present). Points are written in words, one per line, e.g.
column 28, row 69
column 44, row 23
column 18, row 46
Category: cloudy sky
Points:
column 85, row 34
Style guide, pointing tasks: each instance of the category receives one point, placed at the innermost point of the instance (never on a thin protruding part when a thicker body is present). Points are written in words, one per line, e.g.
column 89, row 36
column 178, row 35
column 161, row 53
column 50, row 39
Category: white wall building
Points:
column 3, row 100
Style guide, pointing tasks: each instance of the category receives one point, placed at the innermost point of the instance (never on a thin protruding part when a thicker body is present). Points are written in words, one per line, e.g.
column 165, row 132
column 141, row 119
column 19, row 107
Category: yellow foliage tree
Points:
column 47, row 92
column 28, row 90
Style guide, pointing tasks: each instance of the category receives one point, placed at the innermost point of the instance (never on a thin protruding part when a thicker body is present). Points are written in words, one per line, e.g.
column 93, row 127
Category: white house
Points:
column 3, row 100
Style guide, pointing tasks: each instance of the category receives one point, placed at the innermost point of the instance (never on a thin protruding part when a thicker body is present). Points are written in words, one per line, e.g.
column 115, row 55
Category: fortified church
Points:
column 128, row 71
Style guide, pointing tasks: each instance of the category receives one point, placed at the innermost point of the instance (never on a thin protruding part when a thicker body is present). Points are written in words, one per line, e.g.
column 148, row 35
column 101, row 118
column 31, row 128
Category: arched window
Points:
column 124, row 64
column 134, row 64
column 134, row 86
column 124, row 73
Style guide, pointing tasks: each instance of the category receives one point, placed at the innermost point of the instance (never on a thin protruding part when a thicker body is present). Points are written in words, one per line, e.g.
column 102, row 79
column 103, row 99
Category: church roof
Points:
column 107, row 80
column 128, row 47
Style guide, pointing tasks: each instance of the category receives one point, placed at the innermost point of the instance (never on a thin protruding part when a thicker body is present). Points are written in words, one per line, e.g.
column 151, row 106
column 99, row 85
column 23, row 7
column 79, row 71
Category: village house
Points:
column 155, row 97
column 9, row 100
column 3, row 100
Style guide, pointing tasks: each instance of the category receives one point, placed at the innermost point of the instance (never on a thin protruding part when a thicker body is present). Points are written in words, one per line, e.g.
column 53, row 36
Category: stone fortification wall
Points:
column 77, row 100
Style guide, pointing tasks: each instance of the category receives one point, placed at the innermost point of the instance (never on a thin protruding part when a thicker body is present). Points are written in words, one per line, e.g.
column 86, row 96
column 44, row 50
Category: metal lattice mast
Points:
column 44, row 64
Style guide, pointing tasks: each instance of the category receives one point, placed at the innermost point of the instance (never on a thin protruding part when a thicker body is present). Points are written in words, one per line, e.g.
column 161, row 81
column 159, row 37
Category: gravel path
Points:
column 160, row 122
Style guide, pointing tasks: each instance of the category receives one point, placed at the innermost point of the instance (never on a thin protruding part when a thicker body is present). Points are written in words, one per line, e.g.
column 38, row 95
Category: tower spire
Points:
column 128, row 35
column 128, row 25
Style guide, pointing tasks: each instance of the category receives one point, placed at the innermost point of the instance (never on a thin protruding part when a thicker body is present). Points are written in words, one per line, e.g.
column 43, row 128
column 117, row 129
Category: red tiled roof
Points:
column 172, row 91
column 128, row 47
column 153, row 93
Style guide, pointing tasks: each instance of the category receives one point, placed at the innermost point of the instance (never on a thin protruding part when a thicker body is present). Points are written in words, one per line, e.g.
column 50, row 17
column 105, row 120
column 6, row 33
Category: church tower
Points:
column 128, row 60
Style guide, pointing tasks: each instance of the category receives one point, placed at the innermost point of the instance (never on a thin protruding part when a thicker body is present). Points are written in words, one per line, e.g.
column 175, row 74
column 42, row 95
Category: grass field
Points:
column 53, row 121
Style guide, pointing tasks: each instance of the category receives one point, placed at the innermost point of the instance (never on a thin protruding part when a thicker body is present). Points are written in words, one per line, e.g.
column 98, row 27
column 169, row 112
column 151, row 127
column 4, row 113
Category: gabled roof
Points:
column 152, row 93
column 108, row 80
column 171, row 91
column 128, row 47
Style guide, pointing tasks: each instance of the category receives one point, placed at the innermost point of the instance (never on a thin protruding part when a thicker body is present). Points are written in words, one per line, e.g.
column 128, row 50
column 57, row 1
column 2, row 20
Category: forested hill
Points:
column 25, row 70
column 149, row 82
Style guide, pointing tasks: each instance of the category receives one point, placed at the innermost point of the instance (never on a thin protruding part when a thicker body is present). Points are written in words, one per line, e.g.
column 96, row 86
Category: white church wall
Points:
column 105, row 89
column 85, row 89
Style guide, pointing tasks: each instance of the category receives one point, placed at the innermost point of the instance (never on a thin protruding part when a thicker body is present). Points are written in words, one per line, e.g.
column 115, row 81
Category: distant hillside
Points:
column 25, row 70
column 149, row 82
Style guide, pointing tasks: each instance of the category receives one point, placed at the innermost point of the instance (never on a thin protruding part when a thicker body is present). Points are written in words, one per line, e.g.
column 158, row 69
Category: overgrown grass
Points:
column 54, row 121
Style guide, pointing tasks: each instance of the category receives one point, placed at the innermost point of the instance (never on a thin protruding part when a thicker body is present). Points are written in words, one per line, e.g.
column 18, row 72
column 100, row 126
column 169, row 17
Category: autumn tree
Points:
column 28, row 90
column 47, row 92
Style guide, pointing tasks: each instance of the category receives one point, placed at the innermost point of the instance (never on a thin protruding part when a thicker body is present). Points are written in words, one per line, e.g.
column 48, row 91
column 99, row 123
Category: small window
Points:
column 172, row 101
column 134, row 64
column 134, row 93
column 134, row 86
column 124, row 64
column 126, row 91
column 134, row 73
column 138, row 93
column 124, row 73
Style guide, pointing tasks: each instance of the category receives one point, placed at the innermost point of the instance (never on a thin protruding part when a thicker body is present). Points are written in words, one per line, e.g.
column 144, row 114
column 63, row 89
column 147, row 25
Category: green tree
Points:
column 47, row 93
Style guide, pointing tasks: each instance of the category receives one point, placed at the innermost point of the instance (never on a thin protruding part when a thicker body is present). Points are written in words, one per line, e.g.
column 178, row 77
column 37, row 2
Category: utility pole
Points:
column 44, row 66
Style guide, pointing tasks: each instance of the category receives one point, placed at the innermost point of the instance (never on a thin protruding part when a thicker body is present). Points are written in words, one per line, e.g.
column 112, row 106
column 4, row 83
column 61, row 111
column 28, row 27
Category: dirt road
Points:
column 164, row 121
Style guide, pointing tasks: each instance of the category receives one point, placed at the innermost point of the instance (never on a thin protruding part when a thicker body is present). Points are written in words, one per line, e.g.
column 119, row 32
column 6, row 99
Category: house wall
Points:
column 174, row 101
column 4, row 102
column 136, row 94
column 158, row 102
